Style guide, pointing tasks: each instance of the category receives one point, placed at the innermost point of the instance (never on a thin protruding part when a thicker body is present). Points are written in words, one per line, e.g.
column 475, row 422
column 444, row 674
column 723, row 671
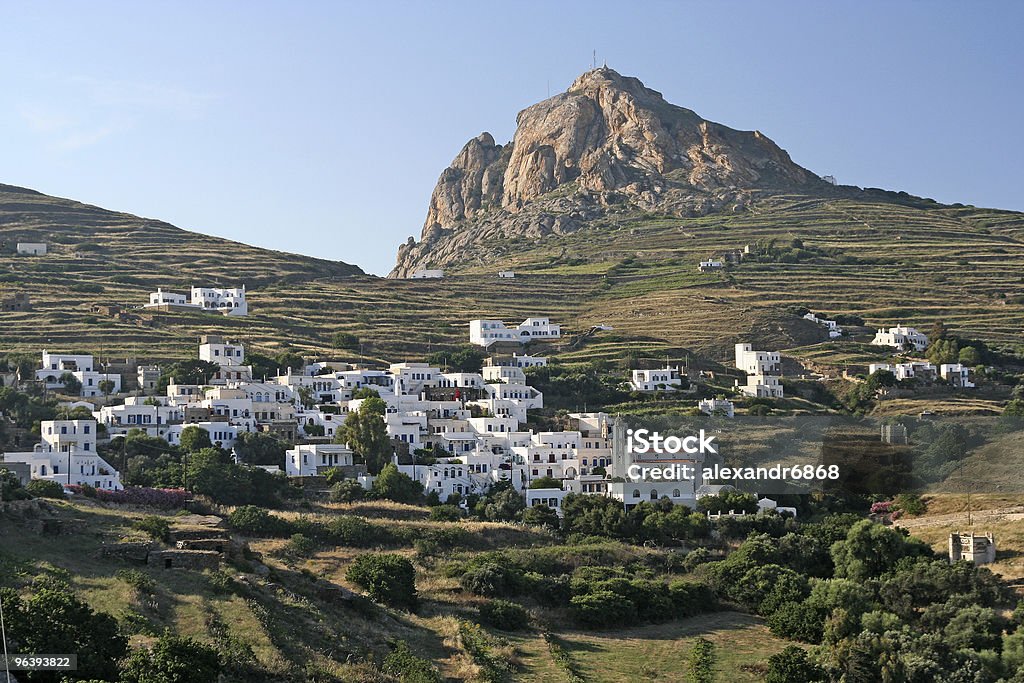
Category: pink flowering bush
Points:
column 881, row 508
column 140, row 495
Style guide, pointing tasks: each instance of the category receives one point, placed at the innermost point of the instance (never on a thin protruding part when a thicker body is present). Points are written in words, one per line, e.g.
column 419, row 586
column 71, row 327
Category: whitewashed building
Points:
column 427, row 274
column 899, row 337
column 757, row 362
column 308, row 460
column 717, row 406
column 957, row 374
column 761, row 386
column 487, row 332
column 664, row 379
column 831, row 325
column 67, row 455
column 31, row 248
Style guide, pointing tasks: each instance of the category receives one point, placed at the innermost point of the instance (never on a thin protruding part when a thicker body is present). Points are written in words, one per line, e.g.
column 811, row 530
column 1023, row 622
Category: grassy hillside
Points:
column 884, row 257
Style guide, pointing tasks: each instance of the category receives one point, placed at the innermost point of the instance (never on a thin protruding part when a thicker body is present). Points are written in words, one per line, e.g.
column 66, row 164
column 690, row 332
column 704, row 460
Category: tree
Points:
column 969, row 356
column 194, row 438
column 871, row 549
column 53, row 620
column 393, row 485
column 172, row 659
column 260, row 448
column 106, row 386
column 541, row 515
column 344, row 341
column 387, row 577
column 701, row 662
column 505, row 615
column 797, row 621
column 465, row 359
column 10, row 487
column 72, row 385
column 878, row 379
column 546, row 483
column 45, row 488
column 188, row 372
column 504, row 506
column 943, row 351
column 366, row 433
column 792, row 666
column 347, row 491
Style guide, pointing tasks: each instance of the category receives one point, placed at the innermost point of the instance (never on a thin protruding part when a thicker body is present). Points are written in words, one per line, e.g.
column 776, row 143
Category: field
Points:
column 280, row 624
column 887, row 259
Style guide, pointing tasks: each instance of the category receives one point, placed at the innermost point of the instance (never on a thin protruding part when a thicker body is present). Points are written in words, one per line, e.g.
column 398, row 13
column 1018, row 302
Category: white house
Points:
column 56, row 364
column 757, row 362
column 506, row 274
column 91, row 382
column 308, row 460
column 162, row 298
column 666, row 378
column 899, row 337
column 148, row 378
column 67, row 455
column 31, row 248
column 486, row 332
column 710, row 265
column 957, row 374
column 916, row 370
column 761, row 386
column 427, row 274
column 833, row 328
column 717, row 406
column 222, row 434
column 226, row 300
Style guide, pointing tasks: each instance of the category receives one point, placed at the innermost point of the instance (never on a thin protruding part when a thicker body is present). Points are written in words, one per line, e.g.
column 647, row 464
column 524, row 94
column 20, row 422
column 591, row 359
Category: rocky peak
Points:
column 606, row 140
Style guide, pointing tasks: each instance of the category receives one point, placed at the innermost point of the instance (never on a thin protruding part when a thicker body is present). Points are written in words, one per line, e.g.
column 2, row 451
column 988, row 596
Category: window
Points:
column 636, row 493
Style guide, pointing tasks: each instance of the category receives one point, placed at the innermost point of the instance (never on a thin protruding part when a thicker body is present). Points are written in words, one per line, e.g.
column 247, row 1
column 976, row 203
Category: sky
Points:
column 321, row 127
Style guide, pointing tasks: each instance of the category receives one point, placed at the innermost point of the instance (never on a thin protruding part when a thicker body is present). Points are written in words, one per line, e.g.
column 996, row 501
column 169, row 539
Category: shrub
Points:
column 255, row 521
column 797, row 621
column 793, row 666
column 173, row 659
column 10, row 487
column 387, row 577
column 157, row 527
column 139, row 580
column 408, row 668
column 300, row 545
column 492, row 579
column 541, row 515
column 347, row 491
column 602, row 609
column 505, row 615
column 45, row 488
column 355, row 532
column 445, row 513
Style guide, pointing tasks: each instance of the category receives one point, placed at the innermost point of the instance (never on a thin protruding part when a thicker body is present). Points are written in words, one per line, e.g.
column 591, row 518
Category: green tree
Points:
column 393, row 485
column 106, row 386
column 72, row 386
column 504, row 506
column 546, row 483
column 193, row 371
column 701, row 661
column 465, row 359
column 387, row 577
column 793, row 666
column 45, row 488
column 260, row 448
column 541, row 515
column 345, row 341
column 969, row 356
column 366, row 433
column 194, row 438
column 871, row 549
column 54, row 620
column 347, row 491
column 172, row 659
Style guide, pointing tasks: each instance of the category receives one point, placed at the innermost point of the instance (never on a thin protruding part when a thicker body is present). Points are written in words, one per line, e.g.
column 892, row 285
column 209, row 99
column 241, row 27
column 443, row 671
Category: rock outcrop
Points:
column 608, row 141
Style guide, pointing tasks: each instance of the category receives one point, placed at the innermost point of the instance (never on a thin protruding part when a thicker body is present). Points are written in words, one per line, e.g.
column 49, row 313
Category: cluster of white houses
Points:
column 225, row 300
column 475, row 420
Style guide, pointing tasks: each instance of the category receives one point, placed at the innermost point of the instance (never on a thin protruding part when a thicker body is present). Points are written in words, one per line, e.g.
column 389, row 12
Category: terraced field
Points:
column 899, row 259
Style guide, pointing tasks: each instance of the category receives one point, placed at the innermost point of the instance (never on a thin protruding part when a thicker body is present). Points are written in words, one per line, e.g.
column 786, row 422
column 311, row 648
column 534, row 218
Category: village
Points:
column 456, row 433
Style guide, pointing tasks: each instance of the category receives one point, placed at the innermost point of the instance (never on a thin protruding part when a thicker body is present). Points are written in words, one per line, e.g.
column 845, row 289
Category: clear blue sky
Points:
column 321, row 127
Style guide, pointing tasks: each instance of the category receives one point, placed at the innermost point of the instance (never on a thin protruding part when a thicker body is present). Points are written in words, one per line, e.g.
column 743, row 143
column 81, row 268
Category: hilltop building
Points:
column 487, row 332
column 900, row 337
column 665, row 379
column 31, row 248
column 427, row 274
column 225, row 300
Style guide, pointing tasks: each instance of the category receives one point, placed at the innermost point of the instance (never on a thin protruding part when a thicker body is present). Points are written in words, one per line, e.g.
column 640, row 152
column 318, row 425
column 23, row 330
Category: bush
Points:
column 45, row 488
column 602, row 609
column 300, row 545
column 541, row 515
column 505, row 615
column 344, row 341
column 492, row 579
column 394, row 485
column 347, row 491
column 408, row 668
column 445, row 513
column 387, row 577
column 141, row 581
column 10, row 487
column 173, row 659
column 255, row 521
column 797, row 621
column 792, row 666
column 157, row 527
column 355, row 532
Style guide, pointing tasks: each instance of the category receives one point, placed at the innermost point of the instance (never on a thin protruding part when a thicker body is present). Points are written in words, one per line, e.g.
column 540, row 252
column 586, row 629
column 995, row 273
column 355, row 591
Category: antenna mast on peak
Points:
column 593, row 64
